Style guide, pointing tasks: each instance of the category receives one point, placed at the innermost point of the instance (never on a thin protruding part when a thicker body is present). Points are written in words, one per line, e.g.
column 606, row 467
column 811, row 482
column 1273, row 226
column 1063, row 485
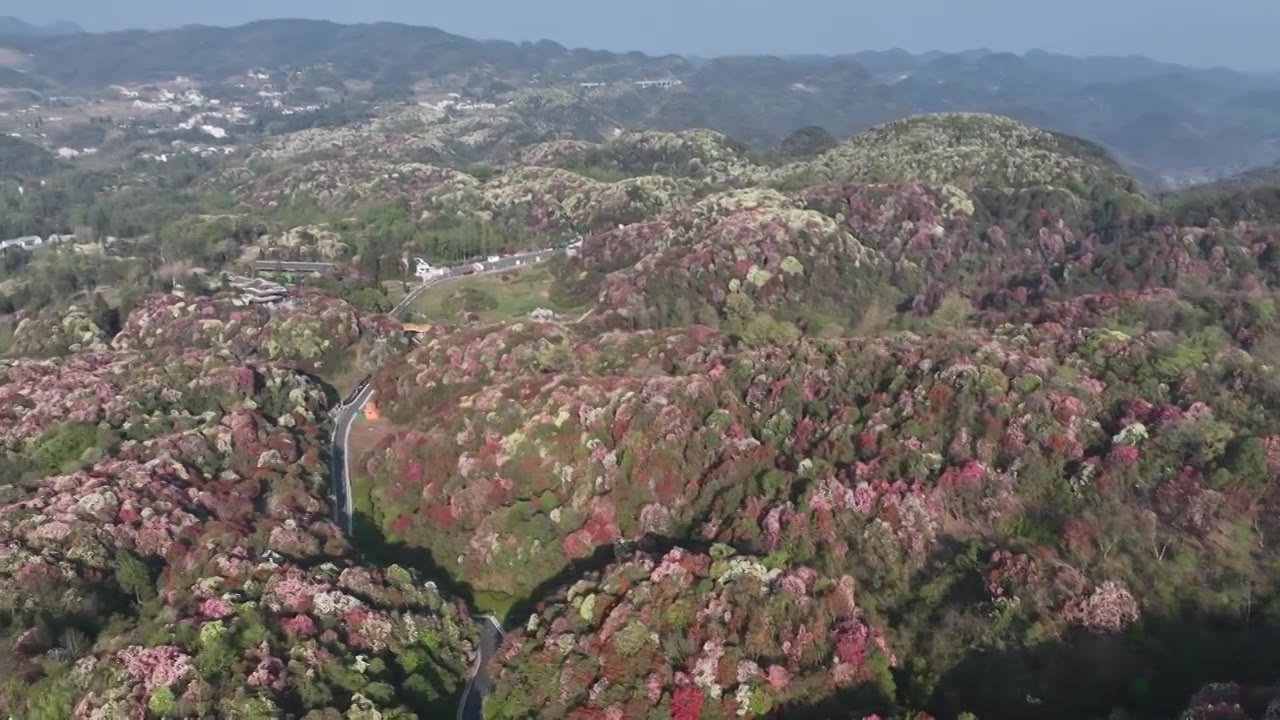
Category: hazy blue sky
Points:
column 1238, row 33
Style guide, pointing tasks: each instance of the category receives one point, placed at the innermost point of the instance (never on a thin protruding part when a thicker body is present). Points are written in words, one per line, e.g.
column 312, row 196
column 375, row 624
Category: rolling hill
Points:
column 12, row 26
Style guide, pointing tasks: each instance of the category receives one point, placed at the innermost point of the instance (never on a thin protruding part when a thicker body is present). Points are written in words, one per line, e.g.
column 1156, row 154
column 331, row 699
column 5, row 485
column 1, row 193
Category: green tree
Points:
column 53, row 701
column 1246, row 459
column 134, row 576
column 59, row 449
column 105, row 317
column 954, row 311
column 162, row 701
column 481, row 171
column 806, row 142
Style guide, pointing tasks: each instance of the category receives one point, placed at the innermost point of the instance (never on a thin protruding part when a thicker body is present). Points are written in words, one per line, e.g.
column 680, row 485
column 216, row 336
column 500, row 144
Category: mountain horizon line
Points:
column 13, row 26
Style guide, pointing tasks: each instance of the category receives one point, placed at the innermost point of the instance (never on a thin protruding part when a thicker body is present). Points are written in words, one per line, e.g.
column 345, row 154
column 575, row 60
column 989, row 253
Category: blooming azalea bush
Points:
column 54, row 332
column 1233, row 701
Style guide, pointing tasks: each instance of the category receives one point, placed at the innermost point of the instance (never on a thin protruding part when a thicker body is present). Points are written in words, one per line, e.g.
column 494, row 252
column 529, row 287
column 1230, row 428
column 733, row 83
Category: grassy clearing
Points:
column 500, row 296
column 397, row 289
column 497, row 604
column 361, row 486
column 347, row 379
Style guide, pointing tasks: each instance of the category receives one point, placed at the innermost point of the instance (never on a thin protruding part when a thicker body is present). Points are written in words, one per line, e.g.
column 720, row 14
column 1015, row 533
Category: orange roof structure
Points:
column 416, row 327
column 371, row 411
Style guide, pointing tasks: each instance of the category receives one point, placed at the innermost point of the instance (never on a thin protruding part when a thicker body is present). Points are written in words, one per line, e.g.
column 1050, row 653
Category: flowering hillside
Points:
column 166, row 543
column 1019, row 485
column 701, row 154
column 342, row 184
column 633, row 641
column 316, row 331
column 841, row 257
column 139, row 397
column 750, row 261
column 828, row 251
column 552, row 203
column 970, row 150
column 947, row 418
column 1070, row 454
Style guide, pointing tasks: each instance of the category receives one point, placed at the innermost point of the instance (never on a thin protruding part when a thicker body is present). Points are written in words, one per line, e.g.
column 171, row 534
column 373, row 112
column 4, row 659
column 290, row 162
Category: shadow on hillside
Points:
column 372, row 544
column 603, row 556
column 547, row 589
column 331, row 395
column 1149, row 673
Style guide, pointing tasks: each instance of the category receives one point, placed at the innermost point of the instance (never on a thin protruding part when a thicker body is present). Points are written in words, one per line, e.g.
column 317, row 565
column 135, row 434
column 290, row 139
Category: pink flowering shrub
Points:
column 215, row 608
column 164, row 666
column 1109, row 609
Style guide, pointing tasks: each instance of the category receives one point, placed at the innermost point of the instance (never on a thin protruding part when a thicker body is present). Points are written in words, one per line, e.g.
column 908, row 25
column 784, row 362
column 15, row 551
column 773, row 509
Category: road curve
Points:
column 340, row 470
column 478, row 684
column 293, row 266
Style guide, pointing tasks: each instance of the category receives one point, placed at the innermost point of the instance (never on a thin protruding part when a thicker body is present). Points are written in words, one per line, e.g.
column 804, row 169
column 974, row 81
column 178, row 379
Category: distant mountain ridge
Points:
column 363, row 51
column 1170, row 124
column 12, row 26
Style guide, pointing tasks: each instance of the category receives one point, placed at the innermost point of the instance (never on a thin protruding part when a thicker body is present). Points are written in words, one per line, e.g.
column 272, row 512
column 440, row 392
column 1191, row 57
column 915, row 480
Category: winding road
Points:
column 340, row 467
column 478, row 684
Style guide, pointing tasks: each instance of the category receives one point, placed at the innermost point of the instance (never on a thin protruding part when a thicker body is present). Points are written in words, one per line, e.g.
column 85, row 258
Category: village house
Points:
column 32, row 241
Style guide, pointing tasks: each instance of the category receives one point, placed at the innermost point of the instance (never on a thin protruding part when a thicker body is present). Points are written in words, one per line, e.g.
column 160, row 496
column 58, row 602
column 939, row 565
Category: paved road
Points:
column 340, row 463
column 294, row 266
column 340, row 471
column 478, row 685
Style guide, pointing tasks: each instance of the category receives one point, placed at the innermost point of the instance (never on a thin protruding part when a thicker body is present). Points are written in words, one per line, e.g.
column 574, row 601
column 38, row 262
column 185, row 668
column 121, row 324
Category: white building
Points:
column 26, row 241
column 664, row 84
column 425, row 271
column 32, row 241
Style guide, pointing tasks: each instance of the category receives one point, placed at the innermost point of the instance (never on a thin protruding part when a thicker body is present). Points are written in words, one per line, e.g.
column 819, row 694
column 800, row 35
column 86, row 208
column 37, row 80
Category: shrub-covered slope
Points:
column 984, row 490
column 700, row 154
column 166, row 547
column 856, row 256
column 969, row 150
column 688, row 635
column 1046, row 452
column 311, row 329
